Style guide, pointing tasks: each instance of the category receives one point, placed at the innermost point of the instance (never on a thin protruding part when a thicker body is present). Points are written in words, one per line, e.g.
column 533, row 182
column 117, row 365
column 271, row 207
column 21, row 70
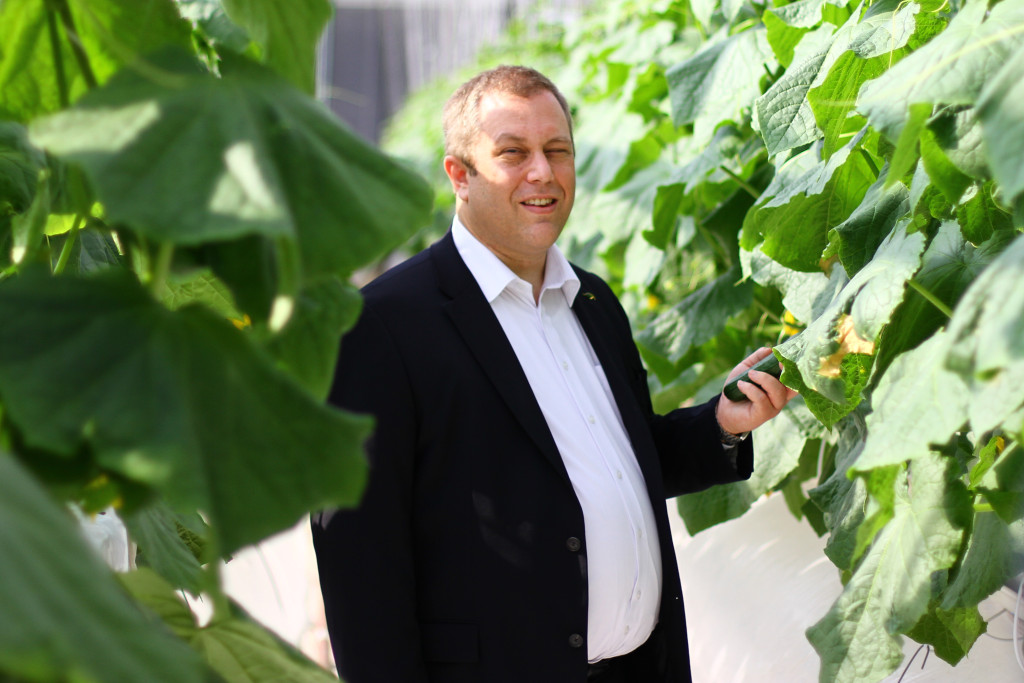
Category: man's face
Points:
column 520, row 197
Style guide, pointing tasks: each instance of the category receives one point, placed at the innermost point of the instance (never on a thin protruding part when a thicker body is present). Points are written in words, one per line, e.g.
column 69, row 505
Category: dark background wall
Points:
column 374, row 53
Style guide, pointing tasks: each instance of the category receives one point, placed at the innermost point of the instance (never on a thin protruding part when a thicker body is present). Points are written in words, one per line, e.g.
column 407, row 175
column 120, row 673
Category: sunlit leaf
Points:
column 111, row 32
column 1002, row 123
column 252, row 156
column 917, row 402
column 951, row 69
column 720, row 82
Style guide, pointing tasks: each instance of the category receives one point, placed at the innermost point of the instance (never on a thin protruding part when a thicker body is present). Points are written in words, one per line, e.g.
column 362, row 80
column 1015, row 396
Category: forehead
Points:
column 538, row 117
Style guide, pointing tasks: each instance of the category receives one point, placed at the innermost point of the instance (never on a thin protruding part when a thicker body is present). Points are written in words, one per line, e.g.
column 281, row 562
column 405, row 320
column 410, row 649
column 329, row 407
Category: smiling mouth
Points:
column 539, row 202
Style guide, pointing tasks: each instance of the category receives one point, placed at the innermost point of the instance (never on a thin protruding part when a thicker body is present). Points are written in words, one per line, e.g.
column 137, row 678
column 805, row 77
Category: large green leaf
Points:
column 948, row 267
column 869, row 299
column 805, row 295
column 288, row 33
column 307, row 347
column 806, row 199
column 779, row 444
column 994, row 552
column 158, row 534
column 951, row 69
column 843, row 501
column 891, row 588
column 917, row 402
column 856, row 239
column 950, row 632
column 187, row 158
column 720, row 82
column 987, row 333
column 111, row 33
column 817, row 92
column 783, row 113
column 62, row 614
column 179, row 400
column 1003, row 125
column 787, row 25
column 233, row 644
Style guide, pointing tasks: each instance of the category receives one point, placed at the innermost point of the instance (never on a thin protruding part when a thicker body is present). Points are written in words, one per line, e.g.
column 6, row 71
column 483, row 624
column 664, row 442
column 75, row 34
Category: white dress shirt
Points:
column 623, row 555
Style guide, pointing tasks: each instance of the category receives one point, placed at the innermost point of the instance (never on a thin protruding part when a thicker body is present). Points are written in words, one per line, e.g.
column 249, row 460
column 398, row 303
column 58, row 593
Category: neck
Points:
column 527, row 266
column 531, row 271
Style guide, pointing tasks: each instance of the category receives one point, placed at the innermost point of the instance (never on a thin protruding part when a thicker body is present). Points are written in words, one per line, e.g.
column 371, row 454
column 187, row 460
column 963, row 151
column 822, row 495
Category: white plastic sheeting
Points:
column 752, row 587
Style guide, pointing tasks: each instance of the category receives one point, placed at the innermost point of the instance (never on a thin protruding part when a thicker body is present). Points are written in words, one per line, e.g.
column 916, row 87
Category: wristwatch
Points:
column 729, row 439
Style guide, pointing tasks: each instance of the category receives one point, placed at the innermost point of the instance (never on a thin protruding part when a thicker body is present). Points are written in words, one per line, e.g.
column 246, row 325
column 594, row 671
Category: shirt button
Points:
column 590, row 419
column 627, row 628
column 575, row 640
column 565, row 365
column 618, row 474
column 573, row 544
column 638, row 594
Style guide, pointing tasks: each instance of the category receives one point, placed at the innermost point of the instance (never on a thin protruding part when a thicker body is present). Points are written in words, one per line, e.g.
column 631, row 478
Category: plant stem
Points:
column 77, row 48
column 58, row 60
column 69, row 246
column 934, row 300
column 161, row 268
column 751, row 190
column 870, row 160
column 767, row 311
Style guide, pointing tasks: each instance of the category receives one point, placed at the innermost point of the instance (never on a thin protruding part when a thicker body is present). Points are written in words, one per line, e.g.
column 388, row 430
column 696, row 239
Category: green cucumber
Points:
column 770, row 364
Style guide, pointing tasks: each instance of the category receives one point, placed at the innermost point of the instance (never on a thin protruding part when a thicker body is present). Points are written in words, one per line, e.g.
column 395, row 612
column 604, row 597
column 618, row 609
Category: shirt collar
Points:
column 494, row 276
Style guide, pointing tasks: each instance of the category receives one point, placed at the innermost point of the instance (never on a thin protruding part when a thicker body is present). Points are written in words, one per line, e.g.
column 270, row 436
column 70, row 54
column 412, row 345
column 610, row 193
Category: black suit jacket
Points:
column 467, row 558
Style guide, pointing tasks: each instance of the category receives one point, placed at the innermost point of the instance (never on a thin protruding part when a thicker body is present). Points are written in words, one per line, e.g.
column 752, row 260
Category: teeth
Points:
column 539, row 202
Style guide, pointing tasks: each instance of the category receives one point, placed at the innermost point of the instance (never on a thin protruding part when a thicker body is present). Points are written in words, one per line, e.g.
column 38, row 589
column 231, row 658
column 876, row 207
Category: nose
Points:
column 539, row 170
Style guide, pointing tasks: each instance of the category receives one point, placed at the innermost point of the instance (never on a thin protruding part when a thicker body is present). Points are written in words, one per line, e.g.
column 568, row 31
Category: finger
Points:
column 778, row 394
column 752, row 390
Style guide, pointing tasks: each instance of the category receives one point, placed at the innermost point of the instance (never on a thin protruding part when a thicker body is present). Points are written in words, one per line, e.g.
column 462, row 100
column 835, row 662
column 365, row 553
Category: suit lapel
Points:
column 473, row 318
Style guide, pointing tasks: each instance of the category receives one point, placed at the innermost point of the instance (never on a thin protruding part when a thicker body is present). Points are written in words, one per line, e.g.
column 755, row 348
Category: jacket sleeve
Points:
column 365, row 554
column 688, row 440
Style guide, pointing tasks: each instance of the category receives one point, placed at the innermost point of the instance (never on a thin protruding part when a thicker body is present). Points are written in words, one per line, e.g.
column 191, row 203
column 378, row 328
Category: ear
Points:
column 458, row 174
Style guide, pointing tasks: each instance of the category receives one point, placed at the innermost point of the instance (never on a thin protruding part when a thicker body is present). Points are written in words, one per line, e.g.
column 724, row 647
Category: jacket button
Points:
column 573, row 544
column 575, row 640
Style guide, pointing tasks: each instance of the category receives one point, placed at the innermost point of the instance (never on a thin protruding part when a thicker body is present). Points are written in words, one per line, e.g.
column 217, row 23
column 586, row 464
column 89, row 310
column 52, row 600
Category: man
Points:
column 513, row 529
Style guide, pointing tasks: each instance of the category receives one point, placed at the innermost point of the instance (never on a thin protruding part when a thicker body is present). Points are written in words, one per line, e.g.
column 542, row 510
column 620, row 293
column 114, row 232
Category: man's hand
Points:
column 767, row 397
